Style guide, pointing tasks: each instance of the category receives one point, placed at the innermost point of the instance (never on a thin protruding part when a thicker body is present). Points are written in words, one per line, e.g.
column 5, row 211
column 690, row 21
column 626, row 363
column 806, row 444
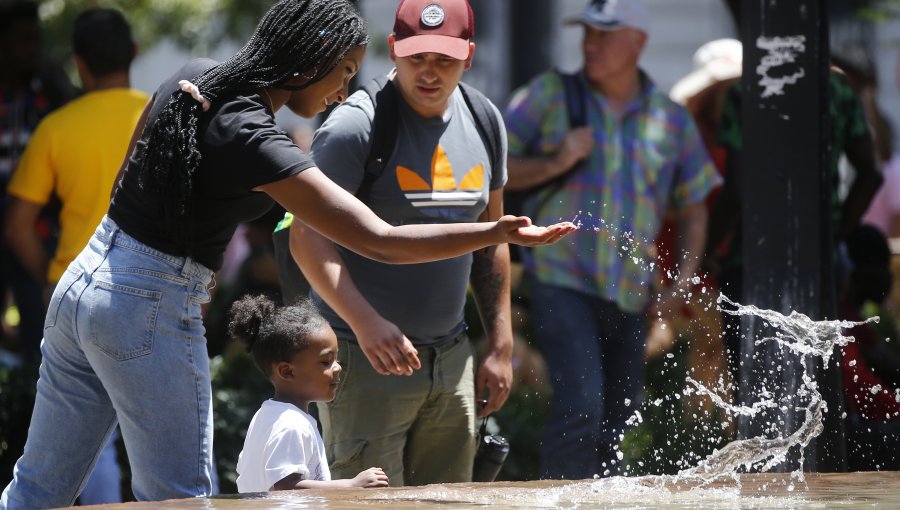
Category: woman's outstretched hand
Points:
column 519, row 230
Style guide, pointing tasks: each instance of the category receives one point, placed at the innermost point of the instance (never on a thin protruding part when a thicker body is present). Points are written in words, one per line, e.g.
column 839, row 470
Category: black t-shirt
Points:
column 241, row 148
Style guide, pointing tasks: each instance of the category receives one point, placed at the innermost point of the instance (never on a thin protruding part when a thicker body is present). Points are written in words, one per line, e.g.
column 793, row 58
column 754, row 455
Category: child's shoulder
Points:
column 285, row 415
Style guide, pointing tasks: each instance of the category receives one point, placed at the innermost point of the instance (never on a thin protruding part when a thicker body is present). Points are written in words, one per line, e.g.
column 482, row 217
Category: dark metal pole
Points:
column 786, row 197
column 530, row 32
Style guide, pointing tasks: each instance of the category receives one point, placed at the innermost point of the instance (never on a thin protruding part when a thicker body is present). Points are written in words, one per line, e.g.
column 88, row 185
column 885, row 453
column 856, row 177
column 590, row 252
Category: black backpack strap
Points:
column 576, row 107
column 487, row 123
column 383, row 138
column 384, row 131
column 575, row 100
column 384, row 128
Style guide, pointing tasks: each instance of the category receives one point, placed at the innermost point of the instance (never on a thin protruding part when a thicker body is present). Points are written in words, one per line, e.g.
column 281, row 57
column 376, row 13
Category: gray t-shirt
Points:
column 440, row 172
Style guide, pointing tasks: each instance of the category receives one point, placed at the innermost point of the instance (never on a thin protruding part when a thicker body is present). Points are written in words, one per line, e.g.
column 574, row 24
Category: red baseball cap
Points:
column 434, row 26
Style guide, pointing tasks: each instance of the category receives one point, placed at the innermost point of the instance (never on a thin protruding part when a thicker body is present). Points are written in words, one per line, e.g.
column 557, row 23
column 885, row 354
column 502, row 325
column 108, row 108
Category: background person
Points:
column 73, row 158
column 30, row 88
column 75, row 152
column 870, row 367
column 420, row 428
column 639, row 155
column 207, row 156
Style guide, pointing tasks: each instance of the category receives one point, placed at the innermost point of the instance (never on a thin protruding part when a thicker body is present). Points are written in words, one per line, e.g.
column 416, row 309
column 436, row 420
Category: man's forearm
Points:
column 857, row 203
column 490, row 286
column 325, row 270
column 30, row 252
column 528, row 172
column 20, row 235
column 692, row 240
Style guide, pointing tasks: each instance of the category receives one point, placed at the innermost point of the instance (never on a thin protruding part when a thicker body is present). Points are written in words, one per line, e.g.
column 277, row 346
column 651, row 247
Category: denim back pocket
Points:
column 123, row 319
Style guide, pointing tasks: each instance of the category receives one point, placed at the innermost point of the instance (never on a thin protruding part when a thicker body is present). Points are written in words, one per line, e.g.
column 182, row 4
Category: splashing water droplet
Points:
column 796, row 334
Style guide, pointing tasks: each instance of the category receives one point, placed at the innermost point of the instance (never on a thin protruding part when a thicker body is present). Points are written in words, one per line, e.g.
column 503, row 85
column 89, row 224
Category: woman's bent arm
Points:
column 326, row 207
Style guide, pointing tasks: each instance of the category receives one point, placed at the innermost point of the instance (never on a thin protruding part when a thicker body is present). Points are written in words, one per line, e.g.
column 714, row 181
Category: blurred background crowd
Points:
column 692, row 52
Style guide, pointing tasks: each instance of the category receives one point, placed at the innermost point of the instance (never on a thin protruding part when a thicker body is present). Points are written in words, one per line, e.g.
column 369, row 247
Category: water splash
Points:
column 796, row 333
column 802, row 336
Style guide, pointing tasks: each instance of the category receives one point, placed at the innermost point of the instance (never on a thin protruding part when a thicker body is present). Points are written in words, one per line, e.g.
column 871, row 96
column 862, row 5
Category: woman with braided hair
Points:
column 124, row 337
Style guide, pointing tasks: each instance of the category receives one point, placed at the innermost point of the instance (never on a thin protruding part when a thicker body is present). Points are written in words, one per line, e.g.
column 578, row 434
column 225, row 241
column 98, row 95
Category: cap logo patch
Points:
column 432, row 15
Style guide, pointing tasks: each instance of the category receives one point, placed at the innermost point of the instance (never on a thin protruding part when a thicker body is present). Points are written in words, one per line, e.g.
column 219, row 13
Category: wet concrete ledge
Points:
column 764, row 491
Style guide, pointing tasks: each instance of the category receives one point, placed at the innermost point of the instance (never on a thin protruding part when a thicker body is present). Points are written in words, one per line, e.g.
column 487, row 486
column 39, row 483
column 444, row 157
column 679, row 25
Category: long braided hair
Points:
column 308, row 37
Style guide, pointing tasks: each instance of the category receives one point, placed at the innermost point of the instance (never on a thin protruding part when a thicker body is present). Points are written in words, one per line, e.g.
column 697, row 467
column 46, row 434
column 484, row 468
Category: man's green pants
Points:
column 420, row 429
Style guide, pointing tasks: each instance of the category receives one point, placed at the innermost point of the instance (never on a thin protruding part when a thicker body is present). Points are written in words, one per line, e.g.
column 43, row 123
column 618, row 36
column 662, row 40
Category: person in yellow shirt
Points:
column 75, row 154
column 77, row 150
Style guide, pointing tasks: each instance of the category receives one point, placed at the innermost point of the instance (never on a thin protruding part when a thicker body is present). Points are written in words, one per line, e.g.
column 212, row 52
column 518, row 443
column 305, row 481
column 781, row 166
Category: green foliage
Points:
column 192, row 24
column 521, row 419
column 521, row 422
column 17, row 391
column 880, row 10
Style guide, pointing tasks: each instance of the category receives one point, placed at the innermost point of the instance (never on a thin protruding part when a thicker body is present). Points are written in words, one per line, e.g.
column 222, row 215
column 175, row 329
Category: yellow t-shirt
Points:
column 75, row 153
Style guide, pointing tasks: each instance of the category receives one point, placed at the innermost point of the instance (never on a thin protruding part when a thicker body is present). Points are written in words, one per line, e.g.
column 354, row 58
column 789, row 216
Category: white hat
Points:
column 715, row 61
column 613, row 15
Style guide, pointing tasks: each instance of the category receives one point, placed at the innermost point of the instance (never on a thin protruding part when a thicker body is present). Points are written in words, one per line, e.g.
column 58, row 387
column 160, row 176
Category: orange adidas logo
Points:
column 443, row 191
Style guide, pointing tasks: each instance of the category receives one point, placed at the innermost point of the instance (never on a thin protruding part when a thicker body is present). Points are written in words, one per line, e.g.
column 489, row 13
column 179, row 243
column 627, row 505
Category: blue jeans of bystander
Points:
column 595, row 359
column 123, row 343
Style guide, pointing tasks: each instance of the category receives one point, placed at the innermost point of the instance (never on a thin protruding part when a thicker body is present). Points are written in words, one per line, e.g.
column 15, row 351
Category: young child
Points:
column 296, row 349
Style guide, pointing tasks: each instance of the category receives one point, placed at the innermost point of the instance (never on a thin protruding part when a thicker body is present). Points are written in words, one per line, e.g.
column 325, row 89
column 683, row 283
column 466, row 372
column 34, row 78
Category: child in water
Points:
column 296, row 349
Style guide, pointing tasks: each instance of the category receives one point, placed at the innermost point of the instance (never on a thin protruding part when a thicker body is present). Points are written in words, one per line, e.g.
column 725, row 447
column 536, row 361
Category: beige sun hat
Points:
column 715, row 61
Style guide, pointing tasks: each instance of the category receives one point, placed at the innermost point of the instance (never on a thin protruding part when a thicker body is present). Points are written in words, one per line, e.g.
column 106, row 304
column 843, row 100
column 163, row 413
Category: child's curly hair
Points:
column 273, row 333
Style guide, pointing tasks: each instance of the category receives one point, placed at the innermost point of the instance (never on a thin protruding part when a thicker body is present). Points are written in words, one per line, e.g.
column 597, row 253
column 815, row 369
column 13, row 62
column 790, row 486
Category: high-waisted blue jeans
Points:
column 595, row 359
column 123, row 343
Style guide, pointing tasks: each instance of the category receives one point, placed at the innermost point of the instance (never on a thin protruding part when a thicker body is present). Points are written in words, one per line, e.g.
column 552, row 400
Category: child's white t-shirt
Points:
column 281, row 440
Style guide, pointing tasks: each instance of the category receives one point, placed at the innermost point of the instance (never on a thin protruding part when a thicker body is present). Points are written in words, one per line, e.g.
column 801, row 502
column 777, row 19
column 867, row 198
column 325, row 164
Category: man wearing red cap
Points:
column 407, row 397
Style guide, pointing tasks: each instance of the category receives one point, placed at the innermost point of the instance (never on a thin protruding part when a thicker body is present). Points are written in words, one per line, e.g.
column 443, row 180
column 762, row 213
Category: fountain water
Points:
column 801, row 336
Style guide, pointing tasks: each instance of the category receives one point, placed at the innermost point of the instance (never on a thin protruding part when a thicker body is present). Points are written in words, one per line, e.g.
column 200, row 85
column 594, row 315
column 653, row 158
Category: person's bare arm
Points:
column 385, row 346
column 372, row 477
column 861, row 155
column 489, row 281
column 692, row 225
column 529, row 172
column 135, row 136
column 19, row 232
column 329, row 209
column 691, row 228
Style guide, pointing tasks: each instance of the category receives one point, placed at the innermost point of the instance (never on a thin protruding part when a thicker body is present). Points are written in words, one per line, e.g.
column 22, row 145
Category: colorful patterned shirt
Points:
column 650, row 160
column 848, row 125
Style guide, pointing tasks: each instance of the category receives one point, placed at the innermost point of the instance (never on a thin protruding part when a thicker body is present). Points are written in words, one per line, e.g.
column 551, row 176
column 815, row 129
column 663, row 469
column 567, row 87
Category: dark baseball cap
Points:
column 434, row 26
